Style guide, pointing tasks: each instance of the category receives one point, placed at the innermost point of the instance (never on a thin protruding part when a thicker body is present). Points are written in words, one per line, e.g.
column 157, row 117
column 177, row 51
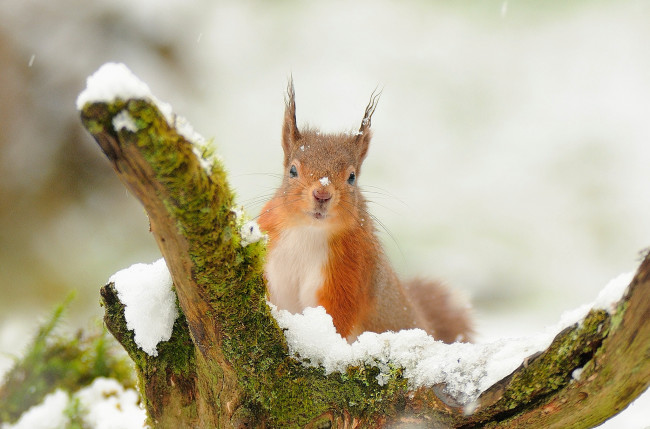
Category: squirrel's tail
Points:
column 446, row 312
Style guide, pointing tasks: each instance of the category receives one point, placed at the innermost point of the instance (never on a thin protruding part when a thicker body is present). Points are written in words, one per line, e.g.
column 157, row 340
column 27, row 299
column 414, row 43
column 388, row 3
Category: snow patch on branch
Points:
column 249, row 230
column 203, row 149
column 250, row 233
column 467, row 370
column 124, row 121
column 113, row 81
column 609, row 297
column 150, row 303
column 104, row 404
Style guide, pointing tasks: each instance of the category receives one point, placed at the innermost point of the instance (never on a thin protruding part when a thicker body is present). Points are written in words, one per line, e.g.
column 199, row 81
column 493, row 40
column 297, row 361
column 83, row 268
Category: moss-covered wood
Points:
column 173, row 371
column 227, row 365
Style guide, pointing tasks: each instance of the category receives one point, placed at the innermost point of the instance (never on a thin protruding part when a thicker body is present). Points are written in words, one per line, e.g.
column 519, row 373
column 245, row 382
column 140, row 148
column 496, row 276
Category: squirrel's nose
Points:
column 321, row 195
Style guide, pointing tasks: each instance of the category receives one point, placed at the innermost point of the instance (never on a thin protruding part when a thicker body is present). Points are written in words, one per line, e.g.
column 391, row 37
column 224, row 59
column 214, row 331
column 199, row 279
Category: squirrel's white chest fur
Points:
column 295, row 266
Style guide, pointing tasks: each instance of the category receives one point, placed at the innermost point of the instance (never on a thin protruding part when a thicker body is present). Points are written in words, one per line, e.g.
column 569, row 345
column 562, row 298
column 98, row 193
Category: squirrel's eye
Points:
column 352, row 178
column 293, row 172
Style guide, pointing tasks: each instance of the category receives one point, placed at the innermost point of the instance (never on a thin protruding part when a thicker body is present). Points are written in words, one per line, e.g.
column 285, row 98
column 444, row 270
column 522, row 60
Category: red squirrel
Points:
column 323, row 249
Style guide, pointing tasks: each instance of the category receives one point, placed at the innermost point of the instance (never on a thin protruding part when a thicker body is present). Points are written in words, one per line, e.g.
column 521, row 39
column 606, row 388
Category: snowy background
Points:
column 510, row 154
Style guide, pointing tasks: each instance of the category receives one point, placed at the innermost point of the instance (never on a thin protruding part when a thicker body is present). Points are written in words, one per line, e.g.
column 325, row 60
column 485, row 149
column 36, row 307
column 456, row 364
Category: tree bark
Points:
column 227, row 363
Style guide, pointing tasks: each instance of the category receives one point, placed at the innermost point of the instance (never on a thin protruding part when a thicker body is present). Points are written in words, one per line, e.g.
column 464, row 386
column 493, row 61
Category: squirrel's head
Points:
column 321, row 170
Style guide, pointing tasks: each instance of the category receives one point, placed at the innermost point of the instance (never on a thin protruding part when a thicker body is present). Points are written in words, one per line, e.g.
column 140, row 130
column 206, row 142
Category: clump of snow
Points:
column 312, row 337
column 49, row 414
column 466, row 370
column 613, row 292
column 577, row 374
column 115, row 81
column 104, row 404
column 150, row 303
column 108, row 405
column 201, row 147
column 124, row 121
column 249, row 231
column 607, row 300
column 324, row 181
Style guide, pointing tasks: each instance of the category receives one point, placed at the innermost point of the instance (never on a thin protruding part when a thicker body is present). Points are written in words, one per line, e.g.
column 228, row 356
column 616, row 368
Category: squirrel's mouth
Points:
column 316, row 214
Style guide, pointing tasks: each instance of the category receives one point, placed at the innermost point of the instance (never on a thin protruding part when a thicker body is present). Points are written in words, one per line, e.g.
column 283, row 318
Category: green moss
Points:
column 617, row 317
column 57, row 361
column 175, row 363
column 552, row 370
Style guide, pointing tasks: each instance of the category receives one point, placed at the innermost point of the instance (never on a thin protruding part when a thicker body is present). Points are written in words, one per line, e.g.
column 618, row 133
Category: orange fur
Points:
column 346, row 294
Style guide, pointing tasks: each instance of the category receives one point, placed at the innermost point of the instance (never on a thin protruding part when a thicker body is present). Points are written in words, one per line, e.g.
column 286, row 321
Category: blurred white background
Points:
column 509, row 159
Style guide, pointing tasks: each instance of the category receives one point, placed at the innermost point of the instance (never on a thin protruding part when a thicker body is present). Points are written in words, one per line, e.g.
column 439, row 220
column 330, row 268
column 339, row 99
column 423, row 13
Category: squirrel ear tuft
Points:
column 290, row 133
column 370, row 109
column 364, row 135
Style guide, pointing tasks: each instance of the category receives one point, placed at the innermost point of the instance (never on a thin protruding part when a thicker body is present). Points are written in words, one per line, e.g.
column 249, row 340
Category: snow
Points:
column 324, row 181
column 115, row 81
column 250, row 233
column 577, row 373
column 465, row 369
column 612, row 293
column 150, row 303
column 239, row 215
column 200, row 146
column 49, row 414
column 249, row 230
column 104, row 404
column 565, row 109
column 124, row 121
column 108, row 405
